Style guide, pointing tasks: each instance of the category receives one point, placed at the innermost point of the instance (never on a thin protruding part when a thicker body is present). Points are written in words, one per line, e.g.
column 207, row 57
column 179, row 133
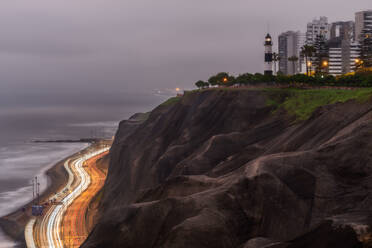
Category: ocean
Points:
column 28, row 117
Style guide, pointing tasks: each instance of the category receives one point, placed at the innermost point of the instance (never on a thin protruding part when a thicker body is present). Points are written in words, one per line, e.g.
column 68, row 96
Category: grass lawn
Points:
column 302, row 103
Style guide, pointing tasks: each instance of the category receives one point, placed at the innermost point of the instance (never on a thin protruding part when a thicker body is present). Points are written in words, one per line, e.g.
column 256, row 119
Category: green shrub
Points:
column 359, row 79
column 302, row 103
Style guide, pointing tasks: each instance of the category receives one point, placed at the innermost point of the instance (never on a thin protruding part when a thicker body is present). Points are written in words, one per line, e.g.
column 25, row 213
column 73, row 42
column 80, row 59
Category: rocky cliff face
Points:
column 219, row 169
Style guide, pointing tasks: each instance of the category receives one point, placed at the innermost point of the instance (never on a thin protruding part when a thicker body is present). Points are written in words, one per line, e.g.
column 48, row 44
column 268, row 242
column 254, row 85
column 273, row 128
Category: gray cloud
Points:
column 117, row 45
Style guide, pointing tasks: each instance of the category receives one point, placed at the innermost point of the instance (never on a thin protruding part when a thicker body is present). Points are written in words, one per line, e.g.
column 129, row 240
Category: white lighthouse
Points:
column 268, row 55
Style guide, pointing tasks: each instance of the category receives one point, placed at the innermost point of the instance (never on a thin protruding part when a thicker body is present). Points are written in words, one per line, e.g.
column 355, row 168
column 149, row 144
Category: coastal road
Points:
column 49, row 230
column 75, row 224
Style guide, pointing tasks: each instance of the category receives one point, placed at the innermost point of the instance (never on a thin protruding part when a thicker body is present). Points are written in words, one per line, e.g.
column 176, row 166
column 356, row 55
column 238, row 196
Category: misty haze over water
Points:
column 63, row 116
column 27, row 117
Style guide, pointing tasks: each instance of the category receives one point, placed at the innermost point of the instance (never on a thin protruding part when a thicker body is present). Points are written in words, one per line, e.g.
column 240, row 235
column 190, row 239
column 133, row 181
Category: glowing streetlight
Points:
column 325, row 63
column 358, row 63
column 309, row 63
column 178, row 89
column 225, row 80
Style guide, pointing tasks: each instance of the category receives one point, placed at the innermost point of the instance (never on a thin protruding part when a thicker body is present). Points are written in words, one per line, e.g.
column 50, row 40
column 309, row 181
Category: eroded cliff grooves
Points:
column 219, row 168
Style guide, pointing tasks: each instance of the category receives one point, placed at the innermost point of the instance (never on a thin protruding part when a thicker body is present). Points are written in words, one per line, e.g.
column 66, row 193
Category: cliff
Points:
column 236, row 168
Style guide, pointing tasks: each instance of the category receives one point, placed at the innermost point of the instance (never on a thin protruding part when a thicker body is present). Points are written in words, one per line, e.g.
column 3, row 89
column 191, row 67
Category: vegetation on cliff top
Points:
column 297, row 102
column 358, row 79
column 170, row 101
column 302, row 103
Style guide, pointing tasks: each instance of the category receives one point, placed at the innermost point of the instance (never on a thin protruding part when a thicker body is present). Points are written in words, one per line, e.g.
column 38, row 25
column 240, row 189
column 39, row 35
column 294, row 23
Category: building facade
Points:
column 343, row 50
column 353, row 54
column 363, row 21
column 343, row 31
column 301, row 42
column 317, row 27
column 289, row 45
column 335, row 60
column 342, row 57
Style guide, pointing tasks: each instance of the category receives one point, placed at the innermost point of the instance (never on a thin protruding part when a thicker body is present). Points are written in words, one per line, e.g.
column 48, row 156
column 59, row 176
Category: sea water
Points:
column 25, row 119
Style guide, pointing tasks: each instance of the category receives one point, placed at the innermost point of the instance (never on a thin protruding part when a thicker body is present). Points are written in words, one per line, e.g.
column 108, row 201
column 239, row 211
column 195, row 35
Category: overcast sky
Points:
column 142, row 45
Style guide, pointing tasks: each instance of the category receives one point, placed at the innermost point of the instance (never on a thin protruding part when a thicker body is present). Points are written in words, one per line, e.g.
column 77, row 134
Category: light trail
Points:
column 76, row 221
column 29, row 236
column 50, row 226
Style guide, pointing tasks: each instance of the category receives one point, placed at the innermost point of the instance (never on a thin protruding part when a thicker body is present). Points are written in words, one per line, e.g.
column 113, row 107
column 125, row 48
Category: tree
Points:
column 365, row 60
column 293, row 59
column 200, row 84
column 245, row 79
column 222, row 78
column 308, row 52
column 260, row 78
column 321, row 54
column 213, row 81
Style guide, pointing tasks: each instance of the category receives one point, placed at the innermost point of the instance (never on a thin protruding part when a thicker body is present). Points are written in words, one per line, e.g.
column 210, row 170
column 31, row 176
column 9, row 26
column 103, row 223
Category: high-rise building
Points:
column 317, row 27
column 342, row 56
column 268, row 55
column 301, row 42
column 289, row 45
column 343, row 30
column 342, row 48
column 353, row 54
column 363, row 26
column 335, row 59
column 363, row 21
column 282, row 51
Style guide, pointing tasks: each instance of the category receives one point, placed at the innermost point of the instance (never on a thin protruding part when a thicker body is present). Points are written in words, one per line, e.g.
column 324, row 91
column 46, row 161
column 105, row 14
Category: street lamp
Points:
column 325, row 65
column 358, row 63
column 309, row 64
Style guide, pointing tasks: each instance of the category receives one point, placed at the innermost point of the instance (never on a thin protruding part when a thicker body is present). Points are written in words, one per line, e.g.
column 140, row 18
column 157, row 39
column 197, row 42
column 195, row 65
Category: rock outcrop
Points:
column 219, row 168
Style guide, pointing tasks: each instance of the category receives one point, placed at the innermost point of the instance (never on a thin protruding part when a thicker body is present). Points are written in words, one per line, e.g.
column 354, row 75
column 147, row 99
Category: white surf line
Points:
column 55, row 220
column 29, row 234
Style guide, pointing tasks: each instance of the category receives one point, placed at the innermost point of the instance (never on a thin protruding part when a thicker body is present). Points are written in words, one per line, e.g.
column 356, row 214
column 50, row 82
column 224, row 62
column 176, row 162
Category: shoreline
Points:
column 13, row 224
